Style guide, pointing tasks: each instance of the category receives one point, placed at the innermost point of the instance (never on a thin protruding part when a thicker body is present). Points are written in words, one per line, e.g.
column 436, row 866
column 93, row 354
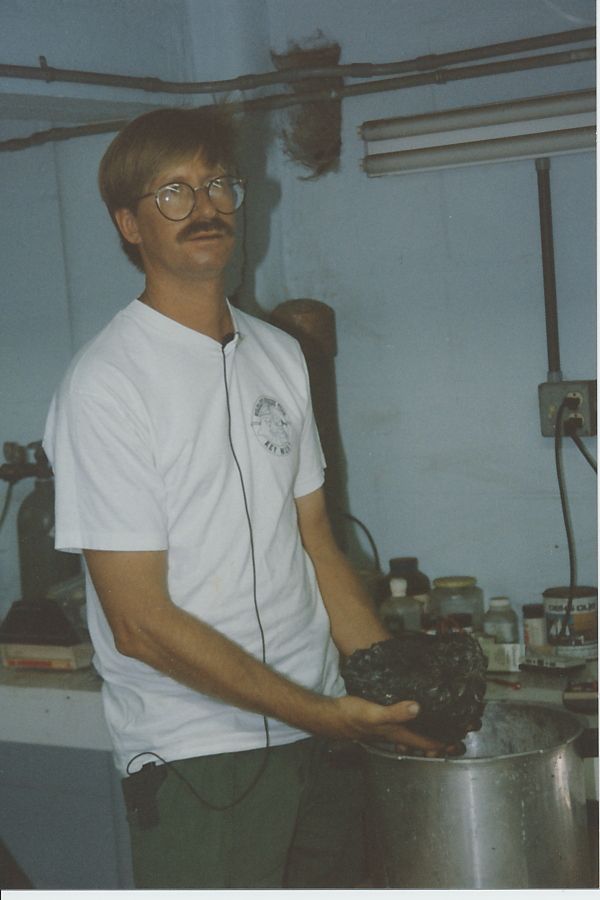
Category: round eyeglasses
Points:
column 176, row 201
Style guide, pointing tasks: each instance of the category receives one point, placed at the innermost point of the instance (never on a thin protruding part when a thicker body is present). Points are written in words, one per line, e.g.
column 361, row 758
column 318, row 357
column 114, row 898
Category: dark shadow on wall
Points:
column 310, row 321
column 263, row 196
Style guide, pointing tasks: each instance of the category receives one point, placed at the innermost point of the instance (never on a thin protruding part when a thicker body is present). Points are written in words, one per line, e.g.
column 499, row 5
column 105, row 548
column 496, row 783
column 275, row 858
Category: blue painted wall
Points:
column 436, row 281
column 63, row 272
column 435, row 278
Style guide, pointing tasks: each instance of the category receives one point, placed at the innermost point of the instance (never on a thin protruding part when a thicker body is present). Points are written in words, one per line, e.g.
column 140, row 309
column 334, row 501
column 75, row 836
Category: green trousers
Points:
column 301, row 826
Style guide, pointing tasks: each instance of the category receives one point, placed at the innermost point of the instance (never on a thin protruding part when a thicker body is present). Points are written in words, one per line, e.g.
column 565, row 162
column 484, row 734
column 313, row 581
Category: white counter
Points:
column 64, row 709
column 56, row 709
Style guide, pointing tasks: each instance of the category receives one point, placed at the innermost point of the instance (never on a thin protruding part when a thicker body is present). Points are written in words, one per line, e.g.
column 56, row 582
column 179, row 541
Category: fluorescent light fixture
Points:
column 518, row 129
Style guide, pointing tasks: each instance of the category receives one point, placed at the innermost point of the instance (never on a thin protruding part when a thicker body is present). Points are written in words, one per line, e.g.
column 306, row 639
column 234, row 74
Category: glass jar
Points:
column 399, row 611
column 458, row 595
column 500, row 621
column 430, row 614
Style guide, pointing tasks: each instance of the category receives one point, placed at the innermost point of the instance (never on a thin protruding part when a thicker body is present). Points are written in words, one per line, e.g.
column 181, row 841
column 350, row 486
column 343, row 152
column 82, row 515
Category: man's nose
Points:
column 204, row 208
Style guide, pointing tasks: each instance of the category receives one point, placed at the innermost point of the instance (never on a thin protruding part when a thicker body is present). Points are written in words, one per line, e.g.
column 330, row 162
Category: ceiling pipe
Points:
column 281, row 101
column 50, row 74
column 62, row 134
column 439, row 76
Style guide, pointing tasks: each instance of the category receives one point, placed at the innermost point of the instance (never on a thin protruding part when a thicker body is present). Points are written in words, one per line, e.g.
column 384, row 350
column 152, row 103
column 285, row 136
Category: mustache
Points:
column 211, row 226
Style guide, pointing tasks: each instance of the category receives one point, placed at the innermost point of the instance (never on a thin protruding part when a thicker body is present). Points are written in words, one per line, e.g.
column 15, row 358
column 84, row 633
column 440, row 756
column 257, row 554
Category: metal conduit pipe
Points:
column 545, row 206
column 62, row 134
column 248, row 82
column 439, row 76
column 281, row 101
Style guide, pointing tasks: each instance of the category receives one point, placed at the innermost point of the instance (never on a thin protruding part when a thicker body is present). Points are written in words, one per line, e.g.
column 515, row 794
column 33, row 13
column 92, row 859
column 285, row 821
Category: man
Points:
column 218, row 602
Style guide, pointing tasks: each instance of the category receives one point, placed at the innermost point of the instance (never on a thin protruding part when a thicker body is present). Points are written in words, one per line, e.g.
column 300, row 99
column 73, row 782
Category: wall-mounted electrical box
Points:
column 578, row 417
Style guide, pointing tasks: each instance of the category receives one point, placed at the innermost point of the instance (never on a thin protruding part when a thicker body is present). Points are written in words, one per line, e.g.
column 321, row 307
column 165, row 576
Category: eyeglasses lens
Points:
column 176, row 201
column 226, row 194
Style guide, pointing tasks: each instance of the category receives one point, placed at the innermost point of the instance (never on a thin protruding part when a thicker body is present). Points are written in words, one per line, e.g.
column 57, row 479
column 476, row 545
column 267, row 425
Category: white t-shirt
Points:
column 137, row 435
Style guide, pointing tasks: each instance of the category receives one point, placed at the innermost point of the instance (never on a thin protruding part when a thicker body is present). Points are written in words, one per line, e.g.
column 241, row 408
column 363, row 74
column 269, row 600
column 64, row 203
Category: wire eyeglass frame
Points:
column 237, row 187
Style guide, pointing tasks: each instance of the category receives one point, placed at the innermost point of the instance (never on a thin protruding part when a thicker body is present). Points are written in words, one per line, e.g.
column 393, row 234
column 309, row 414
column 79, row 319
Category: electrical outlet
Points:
column 551, row 395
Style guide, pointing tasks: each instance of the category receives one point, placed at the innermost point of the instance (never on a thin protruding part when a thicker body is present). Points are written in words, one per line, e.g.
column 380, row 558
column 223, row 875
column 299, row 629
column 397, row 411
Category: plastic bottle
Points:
column 458, row 595
column 500, row 621
column 534, row 624
column 400, row 611
column 417, row 584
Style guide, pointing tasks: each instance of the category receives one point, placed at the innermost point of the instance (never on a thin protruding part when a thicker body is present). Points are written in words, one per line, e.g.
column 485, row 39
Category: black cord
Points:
column 173, row 768
column 369, row 537
column 247, row 510
column 584, row 451
column 565, row 511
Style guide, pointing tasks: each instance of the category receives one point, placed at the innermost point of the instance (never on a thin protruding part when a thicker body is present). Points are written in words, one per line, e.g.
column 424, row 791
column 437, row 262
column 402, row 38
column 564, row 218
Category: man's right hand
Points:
column 362, row 720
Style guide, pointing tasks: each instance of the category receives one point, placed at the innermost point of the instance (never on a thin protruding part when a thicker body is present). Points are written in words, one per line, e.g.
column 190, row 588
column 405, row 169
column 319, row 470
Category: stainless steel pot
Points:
column 511, row 813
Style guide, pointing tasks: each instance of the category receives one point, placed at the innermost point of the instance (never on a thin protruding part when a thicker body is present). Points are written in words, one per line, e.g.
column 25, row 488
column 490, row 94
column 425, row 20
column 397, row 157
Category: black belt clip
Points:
column 140, row 791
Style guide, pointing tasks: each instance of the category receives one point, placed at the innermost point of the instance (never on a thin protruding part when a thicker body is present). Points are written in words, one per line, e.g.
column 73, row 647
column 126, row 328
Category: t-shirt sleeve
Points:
column 109, row 493
column 310, row 475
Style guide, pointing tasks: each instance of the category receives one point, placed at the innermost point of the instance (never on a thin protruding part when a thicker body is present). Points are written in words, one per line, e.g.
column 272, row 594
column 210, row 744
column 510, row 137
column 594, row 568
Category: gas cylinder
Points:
column 41, row 566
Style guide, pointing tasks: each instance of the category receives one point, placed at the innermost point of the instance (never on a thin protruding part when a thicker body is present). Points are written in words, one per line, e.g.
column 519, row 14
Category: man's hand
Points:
column 367, row 721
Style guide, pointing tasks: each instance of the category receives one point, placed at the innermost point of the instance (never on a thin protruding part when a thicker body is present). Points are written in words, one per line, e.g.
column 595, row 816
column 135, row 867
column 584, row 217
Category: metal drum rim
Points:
column 375, row 750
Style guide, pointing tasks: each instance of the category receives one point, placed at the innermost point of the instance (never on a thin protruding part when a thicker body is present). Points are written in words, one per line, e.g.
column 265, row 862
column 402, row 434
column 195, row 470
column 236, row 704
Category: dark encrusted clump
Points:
column 444, row 673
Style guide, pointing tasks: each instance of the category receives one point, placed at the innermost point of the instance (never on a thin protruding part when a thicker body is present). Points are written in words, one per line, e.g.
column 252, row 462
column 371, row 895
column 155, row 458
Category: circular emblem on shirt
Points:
column 271, row 426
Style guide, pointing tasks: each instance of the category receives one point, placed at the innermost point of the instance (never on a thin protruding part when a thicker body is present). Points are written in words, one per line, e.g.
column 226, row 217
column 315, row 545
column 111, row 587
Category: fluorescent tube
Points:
column 523, row 129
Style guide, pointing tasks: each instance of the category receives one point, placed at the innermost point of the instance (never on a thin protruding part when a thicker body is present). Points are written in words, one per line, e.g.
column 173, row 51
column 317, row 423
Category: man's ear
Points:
column 127, row 225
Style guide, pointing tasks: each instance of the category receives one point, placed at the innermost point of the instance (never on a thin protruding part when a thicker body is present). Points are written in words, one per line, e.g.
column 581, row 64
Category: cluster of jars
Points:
column 454, row 603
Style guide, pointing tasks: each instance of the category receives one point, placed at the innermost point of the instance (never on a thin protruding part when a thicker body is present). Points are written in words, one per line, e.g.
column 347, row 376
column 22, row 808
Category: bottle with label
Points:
column 500, row 621
column 458, row 595
column 399, row 611
column 534, row 625
column 577, row 633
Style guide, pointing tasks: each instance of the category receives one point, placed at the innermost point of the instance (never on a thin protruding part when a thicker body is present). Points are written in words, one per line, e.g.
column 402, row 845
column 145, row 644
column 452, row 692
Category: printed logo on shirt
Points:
column 271, row 426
